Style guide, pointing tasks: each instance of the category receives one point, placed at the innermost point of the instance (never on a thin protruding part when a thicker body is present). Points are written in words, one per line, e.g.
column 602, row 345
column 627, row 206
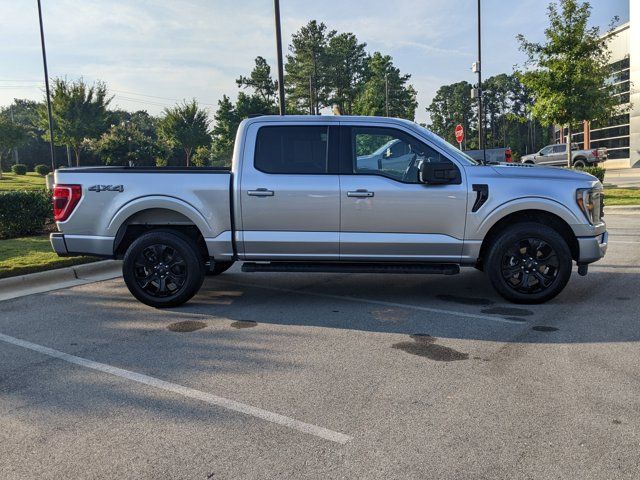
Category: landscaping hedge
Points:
column 23, row 212
column 597, row 172
column 41, row 169
column 19, row 169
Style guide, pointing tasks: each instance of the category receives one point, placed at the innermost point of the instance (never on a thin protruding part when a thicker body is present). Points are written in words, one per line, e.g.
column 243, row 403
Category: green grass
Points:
column 30, row 181
column 19, row 256
column 621, row 196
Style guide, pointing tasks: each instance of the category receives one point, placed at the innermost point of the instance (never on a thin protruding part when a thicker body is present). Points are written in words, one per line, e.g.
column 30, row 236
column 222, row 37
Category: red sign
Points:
column 459, row 133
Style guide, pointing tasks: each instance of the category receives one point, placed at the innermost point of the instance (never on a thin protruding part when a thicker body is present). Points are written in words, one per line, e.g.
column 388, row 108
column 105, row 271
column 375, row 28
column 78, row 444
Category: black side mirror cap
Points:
column 440, row 173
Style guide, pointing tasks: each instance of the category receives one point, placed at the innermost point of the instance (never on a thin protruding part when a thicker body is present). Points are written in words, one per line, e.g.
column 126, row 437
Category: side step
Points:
column 340, row 267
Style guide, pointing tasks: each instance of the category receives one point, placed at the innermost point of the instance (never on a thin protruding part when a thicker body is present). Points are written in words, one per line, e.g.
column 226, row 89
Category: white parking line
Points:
column 380, row 302
column 185, row 391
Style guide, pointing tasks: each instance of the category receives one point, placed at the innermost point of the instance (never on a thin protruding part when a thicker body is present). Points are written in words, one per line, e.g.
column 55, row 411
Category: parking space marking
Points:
column 276, row 418
column 441, row 311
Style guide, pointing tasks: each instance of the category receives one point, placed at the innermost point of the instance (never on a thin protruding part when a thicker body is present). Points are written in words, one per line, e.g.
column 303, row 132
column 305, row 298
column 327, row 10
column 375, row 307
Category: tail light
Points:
column 65, row 199
column 595, row 153
column 507, row 156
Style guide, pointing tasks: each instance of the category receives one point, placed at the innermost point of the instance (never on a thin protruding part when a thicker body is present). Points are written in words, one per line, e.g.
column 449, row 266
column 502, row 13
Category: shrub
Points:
column 23, row 212
column 19, row 169
column 41, row 169
column 597, row 172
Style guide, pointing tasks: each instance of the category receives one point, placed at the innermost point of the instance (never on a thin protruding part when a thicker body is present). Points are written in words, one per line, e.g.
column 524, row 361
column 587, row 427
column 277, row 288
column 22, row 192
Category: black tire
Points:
column 163, row 269
column 528, row 263
column 219, row 267
column 579, row 163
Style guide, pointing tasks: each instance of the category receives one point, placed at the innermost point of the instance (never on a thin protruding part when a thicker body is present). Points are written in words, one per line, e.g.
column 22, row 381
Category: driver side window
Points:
column 390, row 153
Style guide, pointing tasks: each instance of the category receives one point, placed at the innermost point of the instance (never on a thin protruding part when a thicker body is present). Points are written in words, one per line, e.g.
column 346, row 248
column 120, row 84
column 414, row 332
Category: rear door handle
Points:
column 260, row 192
column 360, row 193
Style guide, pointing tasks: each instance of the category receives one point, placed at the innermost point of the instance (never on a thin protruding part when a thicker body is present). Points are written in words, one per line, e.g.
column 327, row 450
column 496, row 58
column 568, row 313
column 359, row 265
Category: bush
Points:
column 597, row 172
column 24, row 213
column 19, row 169
column 42, row 169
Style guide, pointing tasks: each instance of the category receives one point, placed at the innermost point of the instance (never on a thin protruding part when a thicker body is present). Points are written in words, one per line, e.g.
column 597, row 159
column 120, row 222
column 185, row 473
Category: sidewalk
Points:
column 625, row 177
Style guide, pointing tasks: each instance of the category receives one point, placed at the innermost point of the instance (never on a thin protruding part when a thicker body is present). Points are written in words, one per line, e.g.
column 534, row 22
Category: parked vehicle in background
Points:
column 492, row 155
column 334, row 194
column 556, row 156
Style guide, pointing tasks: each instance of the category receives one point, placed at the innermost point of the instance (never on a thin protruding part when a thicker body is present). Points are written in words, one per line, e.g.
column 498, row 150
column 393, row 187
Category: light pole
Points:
column 386, row 93
column 479, row 71
column 276, row 11
column 46, row 84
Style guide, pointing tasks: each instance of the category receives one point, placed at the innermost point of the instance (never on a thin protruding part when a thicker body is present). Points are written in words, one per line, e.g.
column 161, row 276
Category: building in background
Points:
column 621, row 134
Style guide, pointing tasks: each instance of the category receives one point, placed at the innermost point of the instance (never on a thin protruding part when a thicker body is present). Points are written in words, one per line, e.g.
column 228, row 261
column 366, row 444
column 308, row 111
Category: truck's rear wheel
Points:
column 163, row 269
column 579, row 163
column 529, row 263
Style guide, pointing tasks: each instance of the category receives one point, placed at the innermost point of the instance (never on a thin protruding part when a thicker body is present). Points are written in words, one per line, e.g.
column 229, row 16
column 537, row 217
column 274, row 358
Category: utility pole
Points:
column 386, row 93
column 479, row 71
column 311, row 104
column 46, row 84
column 276, row 11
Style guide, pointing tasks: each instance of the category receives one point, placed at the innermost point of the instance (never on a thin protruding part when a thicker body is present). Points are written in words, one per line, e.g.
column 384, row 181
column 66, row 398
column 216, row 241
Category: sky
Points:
column 152, row 54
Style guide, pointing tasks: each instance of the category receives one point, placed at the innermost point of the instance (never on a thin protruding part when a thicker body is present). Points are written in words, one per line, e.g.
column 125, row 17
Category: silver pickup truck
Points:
column 334, row 194
column 556, row 156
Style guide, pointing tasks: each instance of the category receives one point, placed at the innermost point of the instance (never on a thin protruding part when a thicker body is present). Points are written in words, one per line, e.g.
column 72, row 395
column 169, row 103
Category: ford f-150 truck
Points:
column 334, row 194
column 556, row 156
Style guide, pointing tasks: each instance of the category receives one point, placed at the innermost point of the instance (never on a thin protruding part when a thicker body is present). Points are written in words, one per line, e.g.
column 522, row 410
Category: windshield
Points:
column 446, row 146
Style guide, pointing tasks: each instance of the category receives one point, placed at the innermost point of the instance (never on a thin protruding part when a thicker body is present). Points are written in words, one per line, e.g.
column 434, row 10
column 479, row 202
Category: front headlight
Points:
column 590, row 201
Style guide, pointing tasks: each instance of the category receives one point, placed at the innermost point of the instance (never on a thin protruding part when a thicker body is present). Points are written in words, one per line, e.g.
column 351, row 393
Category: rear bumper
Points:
column 58, row 244
column 593, row 249
column 66, row 245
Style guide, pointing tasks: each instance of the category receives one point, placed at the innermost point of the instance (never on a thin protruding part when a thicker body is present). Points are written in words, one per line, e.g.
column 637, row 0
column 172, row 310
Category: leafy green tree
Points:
column 11, row 135
column 260, row 81
column 126, row 144
column 345, row 70
column 372, row 99
column 226, row 123
column 569, row 71
column 185, row 126
column 202, row 157
column 452, row 105
column 79, row 113
column 307, row 67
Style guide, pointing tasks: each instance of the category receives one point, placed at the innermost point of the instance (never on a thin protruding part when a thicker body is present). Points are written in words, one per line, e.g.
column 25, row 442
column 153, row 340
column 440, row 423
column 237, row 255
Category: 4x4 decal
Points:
column 106, row 188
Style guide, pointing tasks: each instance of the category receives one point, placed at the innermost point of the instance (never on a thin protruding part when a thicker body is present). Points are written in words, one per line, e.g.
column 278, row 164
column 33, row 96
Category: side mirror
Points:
column 541, row 153
column 439, row 173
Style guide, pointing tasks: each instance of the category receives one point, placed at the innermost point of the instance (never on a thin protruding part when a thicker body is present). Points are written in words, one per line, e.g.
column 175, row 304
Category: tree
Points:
column 11, row 135
column 126, row 144
column 185, row 126
column 306, row 68
column 225, row 126
column 79, row 113
column 452, row 105
column 568, row 79
column 346, row 64
column 372, row 99
column 260, row 81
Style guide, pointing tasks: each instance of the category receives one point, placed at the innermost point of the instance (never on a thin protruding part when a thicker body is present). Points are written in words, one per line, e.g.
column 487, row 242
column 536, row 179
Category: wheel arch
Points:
column 530, row 215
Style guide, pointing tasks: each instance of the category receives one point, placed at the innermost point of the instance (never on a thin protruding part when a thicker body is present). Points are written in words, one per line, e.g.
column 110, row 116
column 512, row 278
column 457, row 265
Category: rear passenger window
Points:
column 292, row 149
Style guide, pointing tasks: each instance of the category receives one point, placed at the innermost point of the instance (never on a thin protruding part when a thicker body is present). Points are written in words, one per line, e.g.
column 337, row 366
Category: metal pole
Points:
column 46, row 84
column 16, row 159
column 276, row 9
column 311, row 112
column 386, row 93
column 480, row 116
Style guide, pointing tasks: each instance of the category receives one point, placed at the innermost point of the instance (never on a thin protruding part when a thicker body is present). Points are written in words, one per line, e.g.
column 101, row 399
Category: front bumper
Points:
column 593, row 249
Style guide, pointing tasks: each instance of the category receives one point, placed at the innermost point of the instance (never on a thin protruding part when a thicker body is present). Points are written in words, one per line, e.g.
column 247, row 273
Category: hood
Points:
column 533, row 172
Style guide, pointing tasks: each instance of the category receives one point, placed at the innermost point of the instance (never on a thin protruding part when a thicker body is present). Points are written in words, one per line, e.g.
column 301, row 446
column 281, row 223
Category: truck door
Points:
column 386, row 212
column 290, row 193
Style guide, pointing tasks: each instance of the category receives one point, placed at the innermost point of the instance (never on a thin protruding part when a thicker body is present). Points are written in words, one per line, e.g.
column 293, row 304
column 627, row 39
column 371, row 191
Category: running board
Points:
column 339, row 267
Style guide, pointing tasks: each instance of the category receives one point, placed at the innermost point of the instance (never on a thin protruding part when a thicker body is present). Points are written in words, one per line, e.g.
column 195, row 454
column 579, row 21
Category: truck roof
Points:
column 326, row 118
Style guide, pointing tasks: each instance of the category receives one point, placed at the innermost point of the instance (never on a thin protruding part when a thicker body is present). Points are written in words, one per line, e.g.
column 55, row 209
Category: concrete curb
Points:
column 621, row 210
column 22, row 285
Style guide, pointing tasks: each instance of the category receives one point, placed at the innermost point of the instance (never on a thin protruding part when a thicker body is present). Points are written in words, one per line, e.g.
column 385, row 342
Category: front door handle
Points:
column 360, row 193
column 260, row 192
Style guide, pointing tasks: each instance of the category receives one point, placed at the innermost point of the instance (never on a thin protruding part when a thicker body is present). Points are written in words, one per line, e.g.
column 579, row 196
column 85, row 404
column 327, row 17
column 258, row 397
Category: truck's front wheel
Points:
column 529, row 263
column 163, row 269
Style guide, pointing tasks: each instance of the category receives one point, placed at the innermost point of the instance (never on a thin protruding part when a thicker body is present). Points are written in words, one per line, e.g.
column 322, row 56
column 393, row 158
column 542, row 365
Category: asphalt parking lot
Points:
column 328, row 376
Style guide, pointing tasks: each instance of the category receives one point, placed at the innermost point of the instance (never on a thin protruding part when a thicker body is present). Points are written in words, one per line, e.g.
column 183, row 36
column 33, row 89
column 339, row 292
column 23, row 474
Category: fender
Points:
column 159, row 201
column 518, row 205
